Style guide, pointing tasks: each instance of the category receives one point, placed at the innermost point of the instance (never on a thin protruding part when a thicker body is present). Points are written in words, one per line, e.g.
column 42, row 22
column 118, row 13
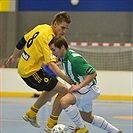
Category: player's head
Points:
column 58, row 45
column 62, row 17
column 61, row 22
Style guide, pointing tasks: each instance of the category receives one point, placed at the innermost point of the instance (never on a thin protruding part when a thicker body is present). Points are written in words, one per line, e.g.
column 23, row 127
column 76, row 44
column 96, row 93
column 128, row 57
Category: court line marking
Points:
column 124, row 117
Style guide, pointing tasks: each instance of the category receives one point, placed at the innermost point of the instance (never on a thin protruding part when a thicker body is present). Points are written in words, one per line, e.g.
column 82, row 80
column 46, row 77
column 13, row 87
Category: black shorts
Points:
column 41, row 81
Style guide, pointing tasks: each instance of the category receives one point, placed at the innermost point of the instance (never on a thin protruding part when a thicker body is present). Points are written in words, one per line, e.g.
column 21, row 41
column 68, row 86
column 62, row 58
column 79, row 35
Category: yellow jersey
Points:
column 36, row 50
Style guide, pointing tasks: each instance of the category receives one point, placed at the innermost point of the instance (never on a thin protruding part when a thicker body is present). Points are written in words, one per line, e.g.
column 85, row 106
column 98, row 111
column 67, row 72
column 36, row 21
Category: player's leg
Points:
column 67, row 101
column 31, row 114
column 68, row 104
column 77, row 95
column 86, row 111
column 56, row 110
column 103, row 124
column 50, row 101
column 99, row 122
column 51, row 88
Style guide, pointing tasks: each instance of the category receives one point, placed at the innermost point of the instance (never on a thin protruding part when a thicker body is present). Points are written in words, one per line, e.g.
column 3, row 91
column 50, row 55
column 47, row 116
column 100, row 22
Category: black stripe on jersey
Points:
column 21, row 43
column 89, row 70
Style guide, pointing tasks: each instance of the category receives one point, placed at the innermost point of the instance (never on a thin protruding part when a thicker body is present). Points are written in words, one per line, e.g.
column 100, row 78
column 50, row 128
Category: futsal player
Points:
column 80, row 97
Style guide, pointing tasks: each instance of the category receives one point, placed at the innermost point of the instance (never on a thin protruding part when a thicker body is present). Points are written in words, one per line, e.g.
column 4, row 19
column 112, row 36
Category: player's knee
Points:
column 64, row 103
column 89, row 117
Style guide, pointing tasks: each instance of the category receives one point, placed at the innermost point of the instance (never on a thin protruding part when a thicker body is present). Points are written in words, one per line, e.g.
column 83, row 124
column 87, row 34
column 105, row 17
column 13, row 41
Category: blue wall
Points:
column 84, row 5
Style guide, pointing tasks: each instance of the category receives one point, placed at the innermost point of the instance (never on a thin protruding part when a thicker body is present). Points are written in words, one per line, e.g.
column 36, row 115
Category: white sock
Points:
column 74, row 114
column 103, row 124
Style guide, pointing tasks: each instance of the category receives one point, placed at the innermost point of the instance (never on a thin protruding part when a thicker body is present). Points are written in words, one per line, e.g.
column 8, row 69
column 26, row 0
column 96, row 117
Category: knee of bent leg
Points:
column 87, row 116
column 64, row 102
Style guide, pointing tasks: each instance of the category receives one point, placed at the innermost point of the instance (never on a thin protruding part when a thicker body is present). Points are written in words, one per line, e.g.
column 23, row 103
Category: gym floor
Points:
column 118, row 113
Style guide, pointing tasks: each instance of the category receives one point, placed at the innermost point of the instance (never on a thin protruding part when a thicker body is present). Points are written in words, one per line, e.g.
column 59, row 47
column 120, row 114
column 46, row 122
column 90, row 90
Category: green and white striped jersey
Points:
column 76, row 67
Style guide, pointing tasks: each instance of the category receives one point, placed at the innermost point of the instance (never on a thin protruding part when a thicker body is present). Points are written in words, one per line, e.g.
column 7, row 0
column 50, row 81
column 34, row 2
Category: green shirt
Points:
column 76, row 67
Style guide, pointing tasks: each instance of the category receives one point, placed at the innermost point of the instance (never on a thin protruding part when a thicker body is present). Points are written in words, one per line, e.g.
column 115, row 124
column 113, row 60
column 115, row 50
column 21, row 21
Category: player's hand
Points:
column 74, row 88
column 10, row 62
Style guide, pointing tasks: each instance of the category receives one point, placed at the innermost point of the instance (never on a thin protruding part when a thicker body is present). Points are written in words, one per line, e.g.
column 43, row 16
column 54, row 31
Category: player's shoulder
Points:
column 42, row 25
column 45, row 31
column 73, row 53
column 73, row 56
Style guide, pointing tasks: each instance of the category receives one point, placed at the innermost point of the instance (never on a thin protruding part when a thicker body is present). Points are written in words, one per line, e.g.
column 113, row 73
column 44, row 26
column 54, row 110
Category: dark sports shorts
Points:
column 41, row 81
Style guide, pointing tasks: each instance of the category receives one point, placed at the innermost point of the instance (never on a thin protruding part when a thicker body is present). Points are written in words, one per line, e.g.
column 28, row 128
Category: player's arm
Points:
column 58, row 72
column 59, row 62
column 83, row 69
column 85, row 82
column 88, row 79
column 11, row 60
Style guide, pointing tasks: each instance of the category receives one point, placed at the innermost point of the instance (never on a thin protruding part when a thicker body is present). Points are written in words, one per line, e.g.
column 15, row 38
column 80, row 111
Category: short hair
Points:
column 62, row 16
column 58, row 41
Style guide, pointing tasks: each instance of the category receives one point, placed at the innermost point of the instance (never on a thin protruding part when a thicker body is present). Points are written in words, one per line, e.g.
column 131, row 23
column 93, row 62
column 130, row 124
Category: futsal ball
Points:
column 60, row 128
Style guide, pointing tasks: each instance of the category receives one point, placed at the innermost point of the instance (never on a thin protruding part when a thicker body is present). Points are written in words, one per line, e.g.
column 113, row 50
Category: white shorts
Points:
column 84, row 101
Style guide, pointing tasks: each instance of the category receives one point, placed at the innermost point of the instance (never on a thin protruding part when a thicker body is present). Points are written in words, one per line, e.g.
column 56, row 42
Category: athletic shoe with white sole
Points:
column 33, row 121
column 81, row 130
column 47, row 129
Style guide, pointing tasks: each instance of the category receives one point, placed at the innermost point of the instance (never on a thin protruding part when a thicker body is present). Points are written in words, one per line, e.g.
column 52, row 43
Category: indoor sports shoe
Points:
column 33, row 121
column 47, row 129
column 82, row 130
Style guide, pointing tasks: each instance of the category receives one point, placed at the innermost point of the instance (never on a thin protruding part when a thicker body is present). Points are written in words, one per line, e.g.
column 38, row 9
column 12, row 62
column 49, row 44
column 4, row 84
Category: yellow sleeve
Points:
column 54, row 58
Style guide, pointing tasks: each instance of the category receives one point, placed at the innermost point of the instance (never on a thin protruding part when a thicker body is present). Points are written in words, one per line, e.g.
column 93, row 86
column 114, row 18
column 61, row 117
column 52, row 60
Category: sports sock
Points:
column 52, row 121
column 74, row 114
column 32, row 111
column 103, row 124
